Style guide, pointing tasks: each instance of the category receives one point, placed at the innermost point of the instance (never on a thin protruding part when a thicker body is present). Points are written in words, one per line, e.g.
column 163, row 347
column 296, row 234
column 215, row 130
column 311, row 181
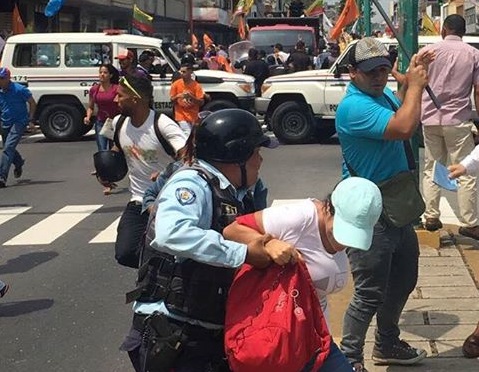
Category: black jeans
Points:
column 131, row 229
column 384, row 276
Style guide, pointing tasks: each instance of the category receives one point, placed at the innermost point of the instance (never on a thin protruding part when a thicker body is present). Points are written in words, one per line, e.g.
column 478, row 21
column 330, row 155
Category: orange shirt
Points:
column 184, row 110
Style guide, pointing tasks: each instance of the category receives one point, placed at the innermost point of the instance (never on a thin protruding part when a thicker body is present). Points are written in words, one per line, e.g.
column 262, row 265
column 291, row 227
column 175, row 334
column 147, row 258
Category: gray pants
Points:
column 383, row 278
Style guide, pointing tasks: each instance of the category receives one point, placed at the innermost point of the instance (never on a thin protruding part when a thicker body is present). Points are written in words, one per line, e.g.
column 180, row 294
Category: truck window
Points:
column 87, row 54
column 265, row 39
column 36, row 55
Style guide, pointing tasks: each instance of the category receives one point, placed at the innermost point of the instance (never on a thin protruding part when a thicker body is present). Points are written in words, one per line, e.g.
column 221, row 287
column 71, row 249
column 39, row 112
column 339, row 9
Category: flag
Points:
column 17, row 24
column 53, row 7
column 242, row 8
column 142, row 21
column 207, row 41
column 315, row 9
column 242, row 28
column 194, row 41
column 349, row 14
column 427, row 26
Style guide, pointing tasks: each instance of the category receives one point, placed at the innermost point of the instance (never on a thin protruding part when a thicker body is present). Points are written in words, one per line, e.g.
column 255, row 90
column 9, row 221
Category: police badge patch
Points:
column 185, row 196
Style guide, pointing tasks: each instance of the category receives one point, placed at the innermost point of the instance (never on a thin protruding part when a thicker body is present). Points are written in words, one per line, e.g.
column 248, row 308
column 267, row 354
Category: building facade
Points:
column 173, row 19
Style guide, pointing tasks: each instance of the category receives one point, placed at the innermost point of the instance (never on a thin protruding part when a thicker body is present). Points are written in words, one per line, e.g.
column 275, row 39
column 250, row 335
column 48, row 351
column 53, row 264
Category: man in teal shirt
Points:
column 372, row 123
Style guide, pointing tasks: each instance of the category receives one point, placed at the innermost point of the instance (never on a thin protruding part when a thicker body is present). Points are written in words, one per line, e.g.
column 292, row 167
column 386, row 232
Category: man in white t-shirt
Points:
column 144, row 156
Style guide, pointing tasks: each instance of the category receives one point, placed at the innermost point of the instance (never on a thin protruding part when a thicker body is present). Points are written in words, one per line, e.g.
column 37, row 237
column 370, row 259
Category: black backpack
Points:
column 166, row 145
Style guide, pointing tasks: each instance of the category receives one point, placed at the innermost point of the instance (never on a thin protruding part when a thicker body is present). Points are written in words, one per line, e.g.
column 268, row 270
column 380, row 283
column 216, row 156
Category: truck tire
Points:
column 218, row 104
column 293, row 123
column 61, row 122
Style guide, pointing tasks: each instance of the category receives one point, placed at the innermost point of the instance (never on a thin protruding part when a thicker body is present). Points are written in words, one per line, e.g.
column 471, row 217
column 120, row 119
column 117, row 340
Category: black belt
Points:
column 135, row 203
column 190, row 330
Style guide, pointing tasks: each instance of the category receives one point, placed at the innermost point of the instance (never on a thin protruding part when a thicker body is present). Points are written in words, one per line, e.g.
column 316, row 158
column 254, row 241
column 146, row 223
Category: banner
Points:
column 17, row 23
column 349, row 14
column 428, row 27
column 315, row 9
column 142, row 21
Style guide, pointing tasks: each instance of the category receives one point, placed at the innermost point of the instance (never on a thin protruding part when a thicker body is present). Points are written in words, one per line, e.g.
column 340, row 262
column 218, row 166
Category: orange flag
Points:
column 242, row 28
column 349, row 14
column 17, row 24
column 194, row 41
column 207, row 41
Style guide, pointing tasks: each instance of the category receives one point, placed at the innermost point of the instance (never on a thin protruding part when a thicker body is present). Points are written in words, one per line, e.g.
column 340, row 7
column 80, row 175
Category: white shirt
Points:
column 298, row 224
column 143, row 151
column 471, row 161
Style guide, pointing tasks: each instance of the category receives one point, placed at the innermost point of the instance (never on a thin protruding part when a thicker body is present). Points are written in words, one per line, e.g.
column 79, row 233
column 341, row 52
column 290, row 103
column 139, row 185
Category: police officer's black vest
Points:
column 190, row 288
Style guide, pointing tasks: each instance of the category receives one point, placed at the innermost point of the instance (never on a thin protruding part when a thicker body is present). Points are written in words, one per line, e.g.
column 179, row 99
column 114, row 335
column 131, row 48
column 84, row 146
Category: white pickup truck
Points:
column 302, row 106
column 60, row 68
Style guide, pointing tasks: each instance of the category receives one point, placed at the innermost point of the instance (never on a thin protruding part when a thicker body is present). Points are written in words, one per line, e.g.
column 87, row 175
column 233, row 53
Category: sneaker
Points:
column 398, row 353
column 18, row 171
column 358, row 367
column 4, row 290
column 470, row 348
column 432, row 224
column 470, row 232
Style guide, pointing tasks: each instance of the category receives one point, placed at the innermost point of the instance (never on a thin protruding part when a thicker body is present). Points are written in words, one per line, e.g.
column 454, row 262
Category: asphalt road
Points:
column 65, row 310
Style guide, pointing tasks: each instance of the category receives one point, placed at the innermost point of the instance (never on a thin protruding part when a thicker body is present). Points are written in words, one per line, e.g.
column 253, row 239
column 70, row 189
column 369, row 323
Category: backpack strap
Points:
column 166, row 145
column 116, row 135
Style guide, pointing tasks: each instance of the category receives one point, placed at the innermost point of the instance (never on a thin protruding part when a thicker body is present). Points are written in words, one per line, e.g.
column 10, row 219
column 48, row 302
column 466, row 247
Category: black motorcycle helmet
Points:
column 229, row 136
column 110, row 165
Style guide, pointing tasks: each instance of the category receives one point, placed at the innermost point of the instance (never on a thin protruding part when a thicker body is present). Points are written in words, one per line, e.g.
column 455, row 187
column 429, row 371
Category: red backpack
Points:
column 274, row 321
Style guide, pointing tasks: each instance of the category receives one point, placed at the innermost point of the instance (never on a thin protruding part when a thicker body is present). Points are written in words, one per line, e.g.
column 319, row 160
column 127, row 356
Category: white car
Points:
column 60, row 68
column 302, row 105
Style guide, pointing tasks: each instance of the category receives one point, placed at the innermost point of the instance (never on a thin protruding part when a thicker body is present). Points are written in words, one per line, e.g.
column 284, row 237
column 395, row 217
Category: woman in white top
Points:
column 320, row 230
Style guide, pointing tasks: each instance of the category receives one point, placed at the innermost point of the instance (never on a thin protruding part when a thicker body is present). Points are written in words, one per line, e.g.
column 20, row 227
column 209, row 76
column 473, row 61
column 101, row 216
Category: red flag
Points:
column 207, row 41
column 17, row 24
column 349, row 14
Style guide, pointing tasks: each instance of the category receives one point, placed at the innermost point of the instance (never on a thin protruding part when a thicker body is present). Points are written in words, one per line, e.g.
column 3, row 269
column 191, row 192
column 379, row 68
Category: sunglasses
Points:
column 124, row 82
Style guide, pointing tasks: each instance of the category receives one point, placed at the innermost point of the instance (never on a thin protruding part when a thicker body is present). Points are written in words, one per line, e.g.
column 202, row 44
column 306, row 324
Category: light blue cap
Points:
column 358, row 205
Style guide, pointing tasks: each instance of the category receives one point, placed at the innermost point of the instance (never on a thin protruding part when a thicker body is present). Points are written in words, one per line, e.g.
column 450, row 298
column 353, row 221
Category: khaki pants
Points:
column 455, row 142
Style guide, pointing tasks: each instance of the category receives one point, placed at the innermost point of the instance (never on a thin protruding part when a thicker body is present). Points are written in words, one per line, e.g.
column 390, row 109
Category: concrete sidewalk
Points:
column 441, row 312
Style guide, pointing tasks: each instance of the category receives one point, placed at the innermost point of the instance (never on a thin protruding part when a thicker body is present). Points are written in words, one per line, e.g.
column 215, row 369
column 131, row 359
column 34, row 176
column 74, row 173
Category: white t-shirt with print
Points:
column 143, row 151
column 298, row 224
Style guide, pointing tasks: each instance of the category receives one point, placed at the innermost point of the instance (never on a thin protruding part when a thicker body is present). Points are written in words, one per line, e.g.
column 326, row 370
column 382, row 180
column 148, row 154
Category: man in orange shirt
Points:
column 187, row 96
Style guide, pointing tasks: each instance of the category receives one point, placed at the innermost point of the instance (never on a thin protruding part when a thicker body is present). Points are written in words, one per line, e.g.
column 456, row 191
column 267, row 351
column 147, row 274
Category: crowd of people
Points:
column 197, row 208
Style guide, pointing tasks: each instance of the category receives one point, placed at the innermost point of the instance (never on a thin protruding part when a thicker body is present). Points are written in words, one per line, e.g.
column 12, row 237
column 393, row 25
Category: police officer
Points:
column 187, row 265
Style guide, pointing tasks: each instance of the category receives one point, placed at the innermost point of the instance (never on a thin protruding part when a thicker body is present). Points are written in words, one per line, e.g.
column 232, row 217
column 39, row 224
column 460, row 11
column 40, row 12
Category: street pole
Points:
column 360, row 27
column 191, row 24
column 408, row 29
column 367, row 17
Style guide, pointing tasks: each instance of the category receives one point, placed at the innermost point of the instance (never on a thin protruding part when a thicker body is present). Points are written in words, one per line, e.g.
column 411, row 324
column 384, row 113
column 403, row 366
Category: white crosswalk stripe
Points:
column 54, row 226
column 7, row 213
column 108, row 235
column 65, row 219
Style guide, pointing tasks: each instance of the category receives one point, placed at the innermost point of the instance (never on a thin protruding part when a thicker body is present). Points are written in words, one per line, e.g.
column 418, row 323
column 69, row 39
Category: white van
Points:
column 60, row 68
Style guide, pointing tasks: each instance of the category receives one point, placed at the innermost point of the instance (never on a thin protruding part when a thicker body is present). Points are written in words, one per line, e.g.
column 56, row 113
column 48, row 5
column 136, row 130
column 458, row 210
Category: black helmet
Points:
column 230, row 136
column 110, row 165
column 188, row 59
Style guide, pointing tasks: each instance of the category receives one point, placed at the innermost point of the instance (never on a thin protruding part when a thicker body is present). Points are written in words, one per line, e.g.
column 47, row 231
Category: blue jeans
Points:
column 335, row 362
column 383, row 278
column 11, row 136
column 102, row 142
